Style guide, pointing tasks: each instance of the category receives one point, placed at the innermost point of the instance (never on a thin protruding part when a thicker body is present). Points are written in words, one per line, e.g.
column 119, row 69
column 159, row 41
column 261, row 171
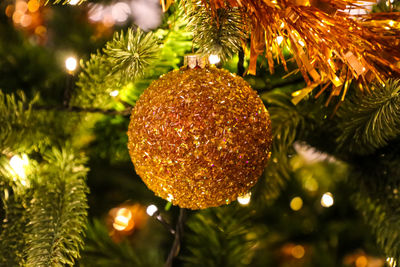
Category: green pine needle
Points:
column 368, row 122
column 131, row 53
column 218, row 237
column 57, row 212
column 221, row 35
column 16, row 122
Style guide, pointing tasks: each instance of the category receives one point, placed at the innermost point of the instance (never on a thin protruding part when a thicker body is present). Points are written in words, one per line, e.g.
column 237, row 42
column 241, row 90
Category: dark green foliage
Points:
column 15, row 122
column 125, row 59
column 95, row 83
column 12, row 230
column 131, row 53
column 101, row 251
column 377, row 179
column 176, row 42
column 57, row 212
column 220, row 34
column 218, row 237
column 368, row 122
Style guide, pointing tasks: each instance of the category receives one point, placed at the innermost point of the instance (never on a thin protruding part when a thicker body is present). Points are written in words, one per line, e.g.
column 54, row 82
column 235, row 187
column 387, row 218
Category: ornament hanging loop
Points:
column 195, row 61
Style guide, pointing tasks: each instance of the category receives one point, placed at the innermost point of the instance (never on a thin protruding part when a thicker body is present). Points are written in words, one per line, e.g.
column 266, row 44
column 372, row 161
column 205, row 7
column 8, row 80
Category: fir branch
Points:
column 368, row 122
column 12, row 234
column 125, row 112
column 124, row 60
column 15, row 122
column 57, row 211
column 218, row 237
column 221, row 33
column 131, row 53
column 376, row 179
column 101, row 251
column 286, row 121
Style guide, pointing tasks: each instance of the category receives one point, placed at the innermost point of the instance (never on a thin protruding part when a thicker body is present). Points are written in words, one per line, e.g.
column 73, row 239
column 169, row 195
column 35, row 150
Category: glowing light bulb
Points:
column 361, row 261
column 298, row 251
column 151, row 209
column 327, row 200
column 214, row 59
column 279, row 39
column 114, row 93
column 122, row 219
column 391, row 262
column 296, row 203
column 245, row 199
column 71, row 63
column 18, row 165
column 73, row 2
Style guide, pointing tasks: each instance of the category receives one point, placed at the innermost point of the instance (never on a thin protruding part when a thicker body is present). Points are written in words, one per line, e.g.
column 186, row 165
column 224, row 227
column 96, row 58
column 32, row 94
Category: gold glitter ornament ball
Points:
column 199, row 137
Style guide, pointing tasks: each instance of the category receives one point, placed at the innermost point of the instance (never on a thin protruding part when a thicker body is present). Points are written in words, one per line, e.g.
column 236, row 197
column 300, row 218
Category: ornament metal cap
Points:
column 195, row 61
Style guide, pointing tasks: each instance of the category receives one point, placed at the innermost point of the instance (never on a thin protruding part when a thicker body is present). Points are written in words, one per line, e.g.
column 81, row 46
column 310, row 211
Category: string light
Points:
column 361, row 261
column 296, row 203
column 391, row 261
column 18, row 165
column 71, row 64
column 123, row 220
column 214, row 59
column 298, row 251
column 279, row 40
column 151, row 209
column 245, row 199
column 327, row 200
column 114, row 93
column 73, row 2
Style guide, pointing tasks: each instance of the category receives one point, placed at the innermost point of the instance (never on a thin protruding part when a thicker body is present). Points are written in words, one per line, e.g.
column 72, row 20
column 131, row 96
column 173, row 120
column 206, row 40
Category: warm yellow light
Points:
column 279, row 39
column 71, row 63
column 21, row 6
column 214, row 59
column 327, row 200
column 302, row 43
column 361, row 261
column 151, row 209
column 122, row 219
column 311, row 184
column 391, row 262
column 296, row 203
column 33, row 5
column 391, row 23
column 114, row 93
column 245, row 199
column 18, row 165
column 73, row 2
column 298, row 251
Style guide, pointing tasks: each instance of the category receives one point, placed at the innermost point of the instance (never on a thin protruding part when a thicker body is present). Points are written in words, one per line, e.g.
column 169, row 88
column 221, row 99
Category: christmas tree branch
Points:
column 220, row 33
column 218, row 237
column 125, row 112
column 368, row 122
column 57, row 212
column 123, row 61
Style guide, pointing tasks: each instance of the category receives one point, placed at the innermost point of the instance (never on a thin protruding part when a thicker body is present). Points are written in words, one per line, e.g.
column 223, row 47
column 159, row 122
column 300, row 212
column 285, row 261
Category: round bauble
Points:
column 199, row 137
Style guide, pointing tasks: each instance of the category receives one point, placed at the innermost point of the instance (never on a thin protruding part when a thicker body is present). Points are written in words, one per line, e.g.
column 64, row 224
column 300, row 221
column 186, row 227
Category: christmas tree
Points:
column 90, row 87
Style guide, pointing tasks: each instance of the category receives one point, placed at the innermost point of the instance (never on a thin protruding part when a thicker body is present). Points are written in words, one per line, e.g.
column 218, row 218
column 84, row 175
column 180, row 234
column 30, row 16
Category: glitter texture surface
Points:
column 199, row 137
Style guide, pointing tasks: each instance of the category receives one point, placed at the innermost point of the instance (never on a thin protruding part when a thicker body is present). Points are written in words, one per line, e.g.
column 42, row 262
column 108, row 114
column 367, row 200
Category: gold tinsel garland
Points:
column 330, row 46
